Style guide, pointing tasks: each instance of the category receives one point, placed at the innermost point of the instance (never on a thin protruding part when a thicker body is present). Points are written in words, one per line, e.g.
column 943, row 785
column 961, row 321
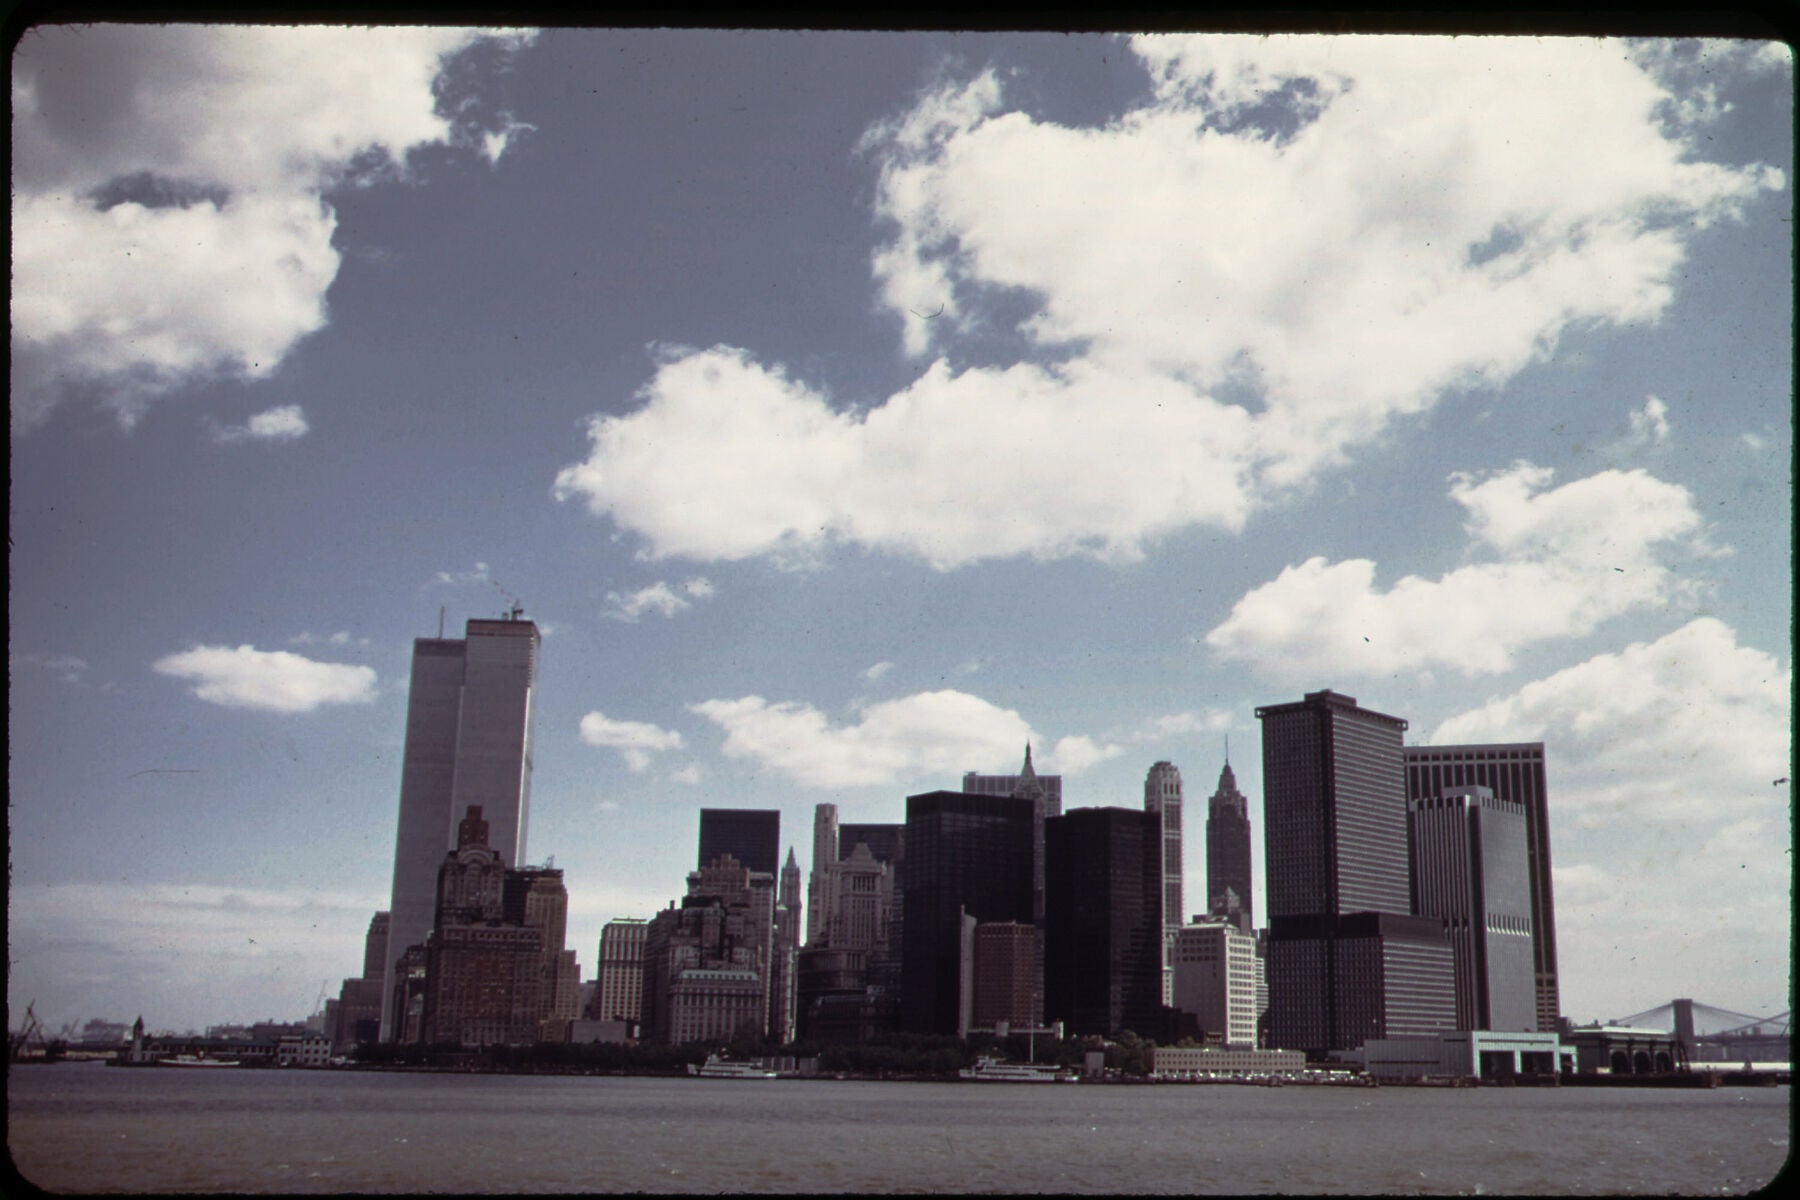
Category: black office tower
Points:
column 750, row 835
column 1103, row 921
column 965, row 854
column 1347, row 960
column 1513, row 772
column 1228, row 853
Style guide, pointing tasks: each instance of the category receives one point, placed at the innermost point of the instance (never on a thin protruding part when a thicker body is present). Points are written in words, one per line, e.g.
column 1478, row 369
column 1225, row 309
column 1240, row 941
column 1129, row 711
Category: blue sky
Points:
column 849, row 409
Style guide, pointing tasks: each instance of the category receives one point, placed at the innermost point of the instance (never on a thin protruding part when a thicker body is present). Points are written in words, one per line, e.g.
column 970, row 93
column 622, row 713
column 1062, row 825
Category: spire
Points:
column 1028, row 773
column 791, row 862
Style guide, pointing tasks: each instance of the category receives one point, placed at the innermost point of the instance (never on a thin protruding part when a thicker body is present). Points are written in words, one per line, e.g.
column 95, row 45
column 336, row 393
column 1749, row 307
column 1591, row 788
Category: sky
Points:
column 850, row 410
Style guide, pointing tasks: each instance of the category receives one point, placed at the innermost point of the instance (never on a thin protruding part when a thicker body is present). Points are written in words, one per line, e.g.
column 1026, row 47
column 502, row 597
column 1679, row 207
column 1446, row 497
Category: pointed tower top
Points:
column 791, row 862
column 1028, row 773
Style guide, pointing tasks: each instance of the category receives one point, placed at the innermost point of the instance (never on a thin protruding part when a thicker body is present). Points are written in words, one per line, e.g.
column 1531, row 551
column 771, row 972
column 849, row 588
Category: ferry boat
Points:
column 719, row 1068
column 988, row 1069
column 194, row 1060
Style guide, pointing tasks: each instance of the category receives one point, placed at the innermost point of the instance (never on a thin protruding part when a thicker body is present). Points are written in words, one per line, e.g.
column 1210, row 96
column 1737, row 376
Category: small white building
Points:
column 1181, row 1061
column 1465, row 1054
column 309, row 1049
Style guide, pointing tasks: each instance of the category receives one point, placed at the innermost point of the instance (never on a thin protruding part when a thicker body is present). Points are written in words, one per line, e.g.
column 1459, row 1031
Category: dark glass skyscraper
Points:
column 468, row 743
column 1512, row 771
column 1347, row 960
column 750, row 835
column 1103, row 930
column 1228, row 853
column 965, row 854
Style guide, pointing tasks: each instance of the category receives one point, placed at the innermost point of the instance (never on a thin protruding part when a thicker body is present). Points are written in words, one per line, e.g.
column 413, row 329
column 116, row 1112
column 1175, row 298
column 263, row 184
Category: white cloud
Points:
column 1650, row 424
column 634, row 740
column 1210, row 720
column 1670, row 836
column 1074, row 754
column 65, row 667
column 270, row 680
column 659, row 597
column 689, row 774
column 877, row 671
column 283, row 424
column 459, row 578
column 1564, row 560
column 341, row 638
column 928, row 734
column 170, row 221
column 182, row 955
column 1291, row 243
column 1691, row 727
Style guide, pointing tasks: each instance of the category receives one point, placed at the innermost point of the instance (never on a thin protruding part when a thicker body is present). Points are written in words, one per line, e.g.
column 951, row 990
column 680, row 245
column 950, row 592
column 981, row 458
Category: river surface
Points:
column 88, row 1128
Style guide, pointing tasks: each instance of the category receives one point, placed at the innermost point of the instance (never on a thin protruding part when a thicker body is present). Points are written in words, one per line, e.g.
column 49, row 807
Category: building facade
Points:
column 750, row 835
column 1103, row 930
column 1215, row 973
column 1228, row 853
column 1347, row 961
column 1514, row 772
column 1007, row 975
column 619, row 990
column 965, row 854
column 468, row 742
column 1470, row 870
column 1045, row 794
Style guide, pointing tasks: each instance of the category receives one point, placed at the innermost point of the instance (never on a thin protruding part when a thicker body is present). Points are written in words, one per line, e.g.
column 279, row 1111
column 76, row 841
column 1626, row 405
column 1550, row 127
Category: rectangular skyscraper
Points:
column 1347, row 960
column 1469, row 869
column 750, row 835
column 1103, row 930
column 1513, row 771
column 468, row 742
column 965, row 855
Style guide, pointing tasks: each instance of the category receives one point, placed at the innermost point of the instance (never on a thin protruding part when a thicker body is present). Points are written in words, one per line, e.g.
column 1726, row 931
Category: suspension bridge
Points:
column 1709, row 1034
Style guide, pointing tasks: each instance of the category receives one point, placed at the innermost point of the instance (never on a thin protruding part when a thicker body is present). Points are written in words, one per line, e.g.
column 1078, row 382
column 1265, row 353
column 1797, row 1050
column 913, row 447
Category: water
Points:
column 87, row 1128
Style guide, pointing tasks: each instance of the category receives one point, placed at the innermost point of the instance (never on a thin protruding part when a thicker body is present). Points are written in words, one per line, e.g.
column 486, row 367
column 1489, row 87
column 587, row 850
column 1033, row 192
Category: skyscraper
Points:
column 1103, row 930
column 1513, row 771
column 468, row 742
column 1469, row 869
column 750, row 835
column 1228, row 853
column 619, row 995
column 1347, row 960
column 1045, row 794
column 1162, row 797
column 820, row 889
column 966, row 855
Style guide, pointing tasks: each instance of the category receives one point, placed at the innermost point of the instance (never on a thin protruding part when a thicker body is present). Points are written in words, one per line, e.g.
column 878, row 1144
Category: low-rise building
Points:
column 1178, row 1061
column 1464, row 1054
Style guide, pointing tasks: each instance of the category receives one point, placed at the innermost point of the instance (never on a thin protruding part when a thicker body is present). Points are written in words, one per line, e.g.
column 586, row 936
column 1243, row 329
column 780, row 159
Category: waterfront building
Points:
column 965, row 854
column 1007, row 974
column 1515, row 772
column 1228, row 852
column 468, row 742
column 1103, row 931
column 1187, row 1061
column 1215, row 980
column 619, row 994
column 494, row 969
column 355, row 1016
column 722, row 934
column 1466, row 1054
column 1469, row 869
column 1347, row 960
column 750, row 835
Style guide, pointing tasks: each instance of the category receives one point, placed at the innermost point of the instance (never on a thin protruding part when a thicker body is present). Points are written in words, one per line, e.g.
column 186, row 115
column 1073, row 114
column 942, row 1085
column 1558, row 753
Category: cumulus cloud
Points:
column 928, row 734
column 1074, row 754
column 1670, row 834
column 635, row 741
column 1691, row 727
column 659, row 597
column 269, row 680
column 1288, row 245
column 1563, row 560
column 170, row 217
column 283, row 424
column 1650, row 424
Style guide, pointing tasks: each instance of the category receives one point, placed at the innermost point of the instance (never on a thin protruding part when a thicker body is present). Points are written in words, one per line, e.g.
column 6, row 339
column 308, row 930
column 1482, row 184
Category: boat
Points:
column 720, row 1068
column 988, row 1069
column 194, row 1060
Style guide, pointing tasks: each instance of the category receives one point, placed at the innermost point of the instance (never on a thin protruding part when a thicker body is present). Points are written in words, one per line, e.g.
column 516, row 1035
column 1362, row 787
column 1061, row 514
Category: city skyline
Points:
column 836, row 454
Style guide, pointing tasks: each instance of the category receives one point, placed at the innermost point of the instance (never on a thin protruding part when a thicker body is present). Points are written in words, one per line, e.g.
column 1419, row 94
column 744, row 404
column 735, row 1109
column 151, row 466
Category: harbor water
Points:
column 87, row 1128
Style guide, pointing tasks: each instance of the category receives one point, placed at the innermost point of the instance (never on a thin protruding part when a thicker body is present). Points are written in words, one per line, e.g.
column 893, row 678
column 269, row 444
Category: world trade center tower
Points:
column 468, row 742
